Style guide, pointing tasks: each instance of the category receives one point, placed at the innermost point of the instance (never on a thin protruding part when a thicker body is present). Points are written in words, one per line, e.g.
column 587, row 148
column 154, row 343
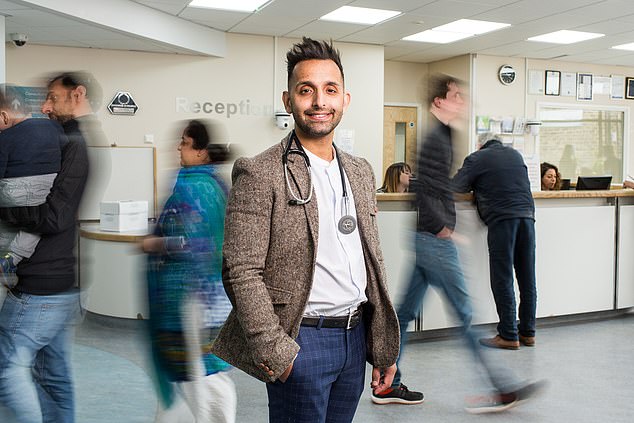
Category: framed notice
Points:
column 584, row 86
column 553, row 79
column 629, row 88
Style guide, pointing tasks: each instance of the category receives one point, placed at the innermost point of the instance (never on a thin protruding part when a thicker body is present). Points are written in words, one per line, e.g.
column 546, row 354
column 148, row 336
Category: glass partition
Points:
column 583, row 141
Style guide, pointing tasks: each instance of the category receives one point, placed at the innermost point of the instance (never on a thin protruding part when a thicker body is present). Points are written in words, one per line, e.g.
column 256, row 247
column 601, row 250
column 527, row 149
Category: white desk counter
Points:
column 112, row 272
column 585, row 258
column 584, row 255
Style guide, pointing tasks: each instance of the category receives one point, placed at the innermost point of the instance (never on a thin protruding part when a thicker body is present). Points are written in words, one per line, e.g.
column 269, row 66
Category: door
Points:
column 399, row 136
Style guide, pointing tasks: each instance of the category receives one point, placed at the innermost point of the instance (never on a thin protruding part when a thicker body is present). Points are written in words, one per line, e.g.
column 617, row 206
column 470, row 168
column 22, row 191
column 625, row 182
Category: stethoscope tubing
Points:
column 299, row 150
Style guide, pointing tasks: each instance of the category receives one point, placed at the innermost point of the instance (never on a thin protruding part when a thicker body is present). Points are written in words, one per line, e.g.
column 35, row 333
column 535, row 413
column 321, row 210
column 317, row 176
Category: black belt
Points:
column 343, row 322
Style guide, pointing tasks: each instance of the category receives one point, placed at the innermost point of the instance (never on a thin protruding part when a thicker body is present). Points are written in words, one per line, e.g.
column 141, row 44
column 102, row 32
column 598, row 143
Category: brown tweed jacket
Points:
column 269, row 258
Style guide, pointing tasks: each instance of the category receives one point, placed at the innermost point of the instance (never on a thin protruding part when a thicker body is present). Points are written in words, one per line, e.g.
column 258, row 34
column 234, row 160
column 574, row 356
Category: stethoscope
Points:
column 347, row 224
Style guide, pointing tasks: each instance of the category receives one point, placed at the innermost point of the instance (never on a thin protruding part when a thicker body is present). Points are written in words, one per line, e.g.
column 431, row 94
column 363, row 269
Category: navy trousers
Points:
column 327, row 378
column 512, row 244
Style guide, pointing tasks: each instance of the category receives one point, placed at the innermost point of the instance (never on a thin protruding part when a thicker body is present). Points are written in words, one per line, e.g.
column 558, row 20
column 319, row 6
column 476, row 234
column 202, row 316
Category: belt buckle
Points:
column 349, row 323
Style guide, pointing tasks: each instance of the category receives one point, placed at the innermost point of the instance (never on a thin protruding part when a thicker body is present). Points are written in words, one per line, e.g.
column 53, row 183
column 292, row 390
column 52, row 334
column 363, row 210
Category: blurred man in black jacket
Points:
column 38, row 314
column 437, row 262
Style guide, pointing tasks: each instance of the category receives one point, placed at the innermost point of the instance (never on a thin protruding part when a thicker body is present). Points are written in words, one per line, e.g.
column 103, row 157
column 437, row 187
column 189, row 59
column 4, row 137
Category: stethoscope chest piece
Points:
column 347, row 224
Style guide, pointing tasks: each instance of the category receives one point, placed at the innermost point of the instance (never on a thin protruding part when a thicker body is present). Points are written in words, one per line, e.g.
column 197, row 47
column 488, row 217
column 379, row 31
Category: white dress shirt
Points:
column 340, row 277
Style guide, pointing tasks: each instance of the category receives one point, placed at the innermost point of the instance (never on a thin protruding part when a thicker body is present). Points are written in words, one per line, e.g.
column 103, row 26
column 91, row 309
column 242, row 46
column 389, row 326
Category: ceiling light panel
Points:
column 628, row 46
column 360, row 15
column 439, row 37
column 236, row 5
column 565, row 37
column 454, row 31
column 470, row 26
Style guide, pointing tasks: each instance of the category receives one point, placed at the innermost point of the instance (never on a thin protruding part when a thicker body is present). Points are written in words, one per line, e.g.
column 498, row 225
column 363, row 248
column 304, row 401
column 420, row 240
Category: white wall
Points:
column 494, row 99
column 253, row 73
column 406, row 83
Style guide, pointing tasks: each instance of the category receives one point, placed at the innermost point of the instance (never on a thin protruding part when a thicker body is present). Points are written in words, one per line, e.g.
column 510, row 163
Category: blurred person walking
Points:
column 436, row 255
column 72, row 99
column 437, row 261
column 39, row 313
column 302, row 263
column 186, row 297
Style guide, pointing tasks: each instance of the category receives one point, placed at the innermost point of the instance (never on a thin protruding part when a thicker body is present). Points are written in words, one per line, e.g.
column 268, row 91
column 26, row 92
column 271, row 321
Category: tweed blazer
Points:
column 269, row 255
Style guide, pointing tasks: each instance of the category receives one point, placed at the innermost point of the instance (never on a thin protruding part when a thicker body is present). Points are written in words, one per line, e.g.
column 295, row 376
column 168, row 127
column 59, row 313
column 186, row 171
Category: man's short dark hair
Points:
column 310, row 49
column 439, row 86
column 72, row 80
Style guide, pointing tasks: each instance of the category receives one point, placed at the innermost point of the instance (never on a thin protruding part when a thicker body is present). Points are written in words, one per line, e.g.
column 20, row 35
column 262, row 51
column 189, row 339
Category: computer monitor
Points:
column 593, row 182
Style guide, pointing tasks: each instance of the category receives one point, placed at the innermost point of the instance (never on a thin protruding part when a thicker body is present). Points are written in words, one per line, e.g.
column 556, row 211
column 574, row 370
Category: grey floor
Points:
column 589, row 366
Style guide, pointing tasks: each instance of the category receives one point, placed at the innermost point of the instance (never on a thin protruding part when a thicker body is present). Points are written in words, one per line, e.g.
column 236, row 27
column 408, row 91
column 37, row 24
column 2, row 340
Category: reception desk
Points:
column 112, row 272
column 585, row 258
column 584, row 254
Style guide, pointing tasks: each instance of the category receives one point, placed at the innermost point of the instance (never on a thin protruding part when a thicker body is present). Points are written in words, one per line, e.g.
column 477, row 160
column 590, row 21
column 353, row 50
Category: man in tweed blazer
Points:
column 310, row 299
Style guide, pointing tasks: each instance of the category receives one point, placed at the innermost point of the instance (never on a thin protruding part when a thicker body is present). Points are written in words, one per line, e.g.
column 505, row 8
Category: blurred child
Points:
column 30, row 157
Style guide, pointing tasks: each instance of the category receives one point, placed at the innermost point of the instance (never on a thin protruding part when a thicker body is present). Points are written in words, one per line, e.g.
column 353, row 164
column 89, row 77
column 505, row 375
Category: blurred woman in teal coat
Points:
column 186, row 296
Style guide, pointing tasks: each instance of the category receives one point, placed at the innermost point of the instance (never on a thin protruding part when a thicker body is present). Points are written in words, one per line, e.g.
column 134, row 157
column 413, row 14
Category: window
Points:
column 583, row 141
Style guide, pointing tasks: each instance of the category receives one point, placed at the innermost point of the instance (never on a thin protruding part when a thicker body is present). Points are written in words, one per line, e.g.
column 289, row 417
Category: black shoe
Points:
column 398, row 395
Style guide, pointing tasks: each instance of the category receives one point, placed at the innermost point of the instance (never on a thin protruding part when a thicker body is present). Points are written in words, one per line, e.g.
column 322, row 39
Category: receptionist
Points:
column 551, row 178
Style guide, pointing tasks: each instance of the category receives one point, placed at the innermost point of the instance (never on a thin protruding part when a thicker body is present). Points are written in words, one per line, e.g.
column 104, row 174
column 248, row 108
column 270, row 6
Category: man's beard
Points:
column 317, row 129
column 59, row 118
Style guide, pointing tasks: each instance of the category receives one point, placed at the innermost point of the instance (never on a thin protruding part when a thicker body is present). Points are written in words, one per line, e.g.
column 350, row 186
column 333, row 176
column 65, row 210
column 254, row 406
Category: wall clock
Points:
column 506, row 74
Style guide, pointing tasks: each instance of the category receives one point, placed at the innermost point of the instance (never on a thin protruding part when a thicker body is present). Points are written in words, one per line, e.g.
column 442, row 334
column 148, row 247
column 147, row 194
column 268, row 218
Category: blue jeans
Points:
column 437, row 265
column 35, row 369
column 512, row 244
column 327, row 378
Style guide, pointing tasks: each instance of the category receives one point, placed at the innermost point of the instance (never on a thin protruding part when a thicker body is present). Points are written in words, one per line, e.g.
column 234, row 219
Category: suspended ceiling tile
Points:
column 317, row 29
column 451, row 10
column 171, row 7
column 218, row 19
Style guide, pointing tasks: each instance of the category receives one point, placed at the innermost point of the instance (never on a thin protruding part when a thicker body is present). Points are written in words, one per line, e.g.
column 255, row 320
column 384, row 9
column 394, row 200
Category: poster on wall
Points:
column 344, row 139
column 617, row 87
column 601, row 85
column 584, row 86
column 34, row 97
column 535, row 82
column 552, row 82
column 568, row 84
column 534, row 172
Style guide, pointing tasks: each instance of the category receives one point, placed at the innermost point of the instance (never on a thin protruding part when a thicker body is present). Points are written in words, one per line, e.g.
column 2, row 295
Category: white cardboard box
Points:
column 121, row 216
